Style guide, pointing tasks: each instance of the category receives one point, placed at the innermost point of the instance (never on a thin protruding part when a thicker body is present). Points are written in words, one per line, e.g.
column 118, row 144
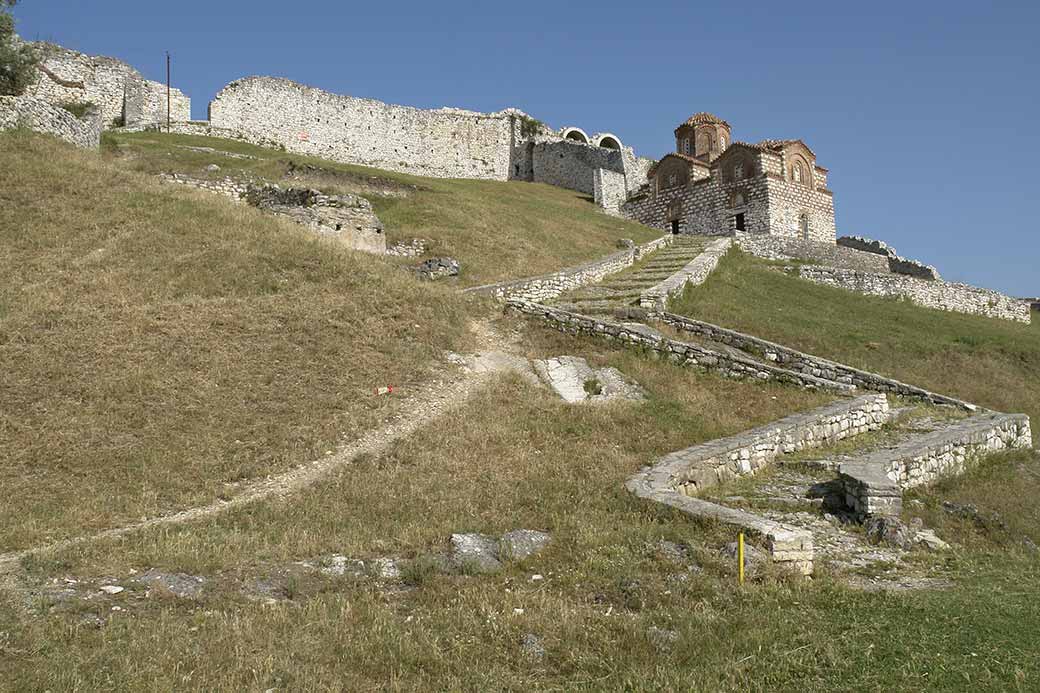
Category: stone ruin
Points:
column 576, row 382
column 347, row 218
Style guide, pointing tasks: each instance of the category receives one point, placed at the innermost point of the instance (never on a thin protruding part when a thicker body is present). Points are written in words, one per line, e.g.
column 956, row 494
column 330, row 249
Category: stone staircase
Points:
column 624, row 288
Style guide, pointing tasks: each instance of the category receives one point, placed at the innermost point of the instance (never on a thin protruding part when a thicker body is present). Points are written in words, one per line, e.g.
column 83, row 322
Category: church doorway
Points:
column 675, row 226
column 740, row 223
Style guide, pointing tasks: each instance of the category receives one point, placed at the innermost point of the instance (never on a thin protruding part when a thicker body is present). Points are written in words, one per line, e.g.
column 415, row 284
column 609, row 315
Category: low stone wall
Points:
column 42, row 116
column 229, row 187
column 681, row 353
column 829, row 254
column 549, row 286
column 695, row 272
column 896, row 264
column 806, row 363
column 874, row 484
column 958, row 298
column 674, row 478
column 868, row 245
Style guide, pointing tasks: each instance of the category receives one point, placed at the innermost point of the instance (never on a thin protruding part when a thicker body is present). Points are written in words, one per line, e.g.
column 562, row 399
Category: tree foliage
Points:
column 17, row 59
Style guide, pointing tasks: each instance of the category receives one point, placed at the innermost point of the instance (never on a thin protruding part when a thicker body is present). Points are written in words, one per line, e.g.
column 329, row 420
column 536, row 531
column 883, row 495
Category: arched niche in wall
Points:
column 575, row 135
column 608, row 141
column 800, row 171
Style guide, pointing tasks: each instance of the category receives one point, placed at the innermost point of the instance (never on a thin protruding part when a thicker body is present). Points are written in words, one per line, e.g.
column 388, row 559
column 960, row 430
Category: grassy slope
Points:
column 994, row 363
column 157, row 343
column 496, row 230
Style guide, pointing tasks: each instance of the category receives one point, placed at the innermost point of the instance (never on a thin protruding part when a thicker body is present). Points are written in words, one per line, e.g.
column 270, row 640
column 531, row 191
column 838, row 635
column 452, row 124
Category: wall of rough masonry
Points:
column 42, row 116
column 119, row 91
column 443, row 143
column 549, row 286
column 608, row 190
column 896, row 264
column 572, row 165
column 675, row 478
column 829, row 254
column 229, row 187
column 695, row 272
column 686, row 354
column 958, row 298
column 788, row 201
column 874, row 484
column 794, row 360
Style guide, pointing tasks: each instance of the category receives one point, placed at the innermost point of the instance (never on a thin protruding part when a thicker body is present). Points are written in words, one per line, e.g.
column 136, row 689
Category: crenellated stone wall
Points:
column 121, row 93
column 958, row 298
column 42, row 116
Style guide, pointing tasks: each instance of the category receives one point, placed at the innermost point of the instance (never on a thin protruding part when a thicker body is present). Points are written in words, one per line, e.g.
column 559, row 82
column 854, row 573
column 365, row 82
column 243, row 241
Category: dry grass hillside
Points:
column 496, row 230
column 158, row 344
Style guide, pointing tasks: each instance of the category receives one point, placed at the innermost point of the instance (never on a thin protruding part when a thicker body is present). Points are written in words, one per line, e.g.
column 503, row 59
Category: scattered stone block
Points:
column 178, row 584
column 522, row 543
column 475, row 551
column 437, row 268
column 532, row 648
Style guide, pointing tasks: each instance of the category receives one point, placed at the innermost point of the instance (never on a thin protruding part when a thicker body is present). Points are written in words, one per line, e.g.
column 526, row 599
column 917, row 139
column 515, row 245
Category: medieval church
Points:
column 713, row 185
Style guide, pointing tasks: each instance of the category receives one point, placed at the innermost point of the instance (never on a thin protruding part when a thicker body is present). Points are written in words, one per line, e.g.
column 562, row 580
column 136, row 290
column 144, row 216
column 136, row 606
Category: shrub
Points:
column 529, row 127
column 77, row 109
column 18, row 60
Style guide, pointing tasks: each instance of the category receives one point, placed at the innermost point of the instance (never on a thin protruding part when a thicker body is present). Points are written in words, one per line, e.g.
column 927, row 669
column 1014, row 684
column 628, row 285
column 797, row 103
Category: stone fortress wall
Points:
column 42, row 116
column 121, row 93
column 441, row 143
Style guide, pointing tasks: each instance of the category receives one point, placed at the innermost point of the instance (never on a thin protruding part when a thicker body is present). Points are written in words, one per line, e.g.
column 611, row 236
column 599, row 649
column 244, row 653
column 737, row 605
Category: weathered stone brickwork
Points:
column 874, row 483
column 679, row 476
column 685, row 354
column 712, row 186
column 794, row 360
column 42, row 116
column 829, row 254
column 121, row 93
column 695, row 272
column 229, row 187
column 896, row 264
column 572, row 165
column 549, row 286
column 958, row 298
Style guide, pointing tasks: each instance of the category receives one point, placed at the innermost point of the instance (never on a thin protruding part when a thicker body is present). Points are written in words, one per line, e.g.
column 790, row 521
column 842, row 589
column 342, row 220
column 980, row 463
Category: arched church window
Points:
column 672, row 180
column 799, row 175
column 686, row 145
column 738, row 199
column 803, row 225
column 738, row 171
column 722, row 142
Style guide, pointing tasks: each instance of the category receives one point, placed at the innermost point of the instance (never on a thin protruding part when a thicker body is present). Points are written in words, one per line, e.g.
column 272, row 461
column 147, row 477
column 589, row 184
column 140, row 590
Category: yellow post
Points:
column 740, row 557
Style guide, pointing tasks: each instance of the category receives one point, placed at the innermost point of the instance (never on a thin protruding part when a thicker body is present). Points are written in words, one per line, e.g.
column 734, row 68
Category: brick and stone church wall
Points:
column 788, row 201
column 42, row 116
column 444, row 143
column 120, row 92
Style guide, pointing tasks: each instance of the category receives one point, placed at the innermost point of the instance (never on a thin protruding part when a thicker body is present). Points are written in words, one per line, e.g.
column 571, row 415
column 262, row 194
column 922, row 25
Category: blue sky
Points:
column 926, row 113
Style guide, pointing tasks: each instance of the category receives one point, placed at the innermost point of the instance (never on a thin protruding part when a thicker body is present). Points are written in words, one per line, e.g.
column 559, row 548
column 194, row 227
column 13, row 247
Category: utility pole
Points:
column 167, row 92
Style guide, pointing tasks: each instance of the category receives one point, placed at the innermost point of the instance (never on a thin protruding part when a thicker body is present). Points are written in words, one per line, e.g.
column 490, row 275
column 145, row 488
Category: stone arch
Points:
column 575, row 134
column 800, row 171
column 608, row 140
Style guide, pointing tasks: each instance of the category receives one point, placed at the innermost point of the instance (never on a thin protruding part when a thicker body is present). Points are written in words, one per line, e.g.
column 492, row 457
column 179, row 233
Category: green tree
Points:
column 17, row 59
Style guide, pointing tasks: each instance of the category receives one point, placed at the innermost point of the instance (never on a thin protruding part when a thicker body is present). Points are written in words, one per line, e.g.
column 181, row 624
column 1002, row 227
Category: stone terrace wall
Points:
column 445, row 143
column 806, row 363
column 867, row 245
column 896, row 264
column 958, row 298
column 229, row 187
column 695, row 272
column 676, row 477
column 572, row 165
column 67, row 76
column 829, row 254
column 874, row 484
column 549, row 286
column 681, row 353
column 41, row 116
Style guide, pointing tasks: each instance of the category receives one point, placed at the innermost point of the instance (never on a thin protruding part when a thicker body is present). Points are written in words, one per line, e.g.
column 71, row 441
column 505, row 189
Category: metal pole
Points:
column 167, row 92
column 740, row 558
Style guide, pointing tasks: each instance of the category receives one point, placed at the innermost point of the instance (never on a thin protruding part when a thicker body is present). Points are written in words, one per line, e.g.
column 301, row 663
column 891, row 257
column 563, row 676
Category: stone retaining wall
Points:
column 829, row 254
column 42, row 116
column 229, row 187
column 549, row 286
column 681, row 353
column 695, row 272
column 805, row 363
column 674, row 478
column 874, row 484
column 958, row 298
